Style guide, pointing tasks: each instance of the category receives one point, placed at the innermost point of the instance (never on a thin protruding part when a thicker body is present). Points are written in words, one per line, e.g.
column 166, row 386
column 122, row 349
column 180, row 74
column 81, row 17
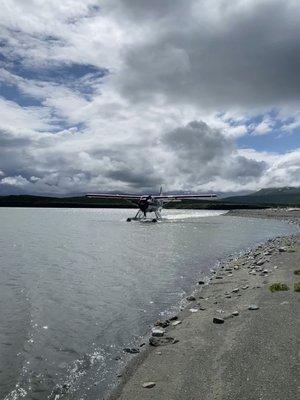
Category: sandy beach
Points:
column 235, row 339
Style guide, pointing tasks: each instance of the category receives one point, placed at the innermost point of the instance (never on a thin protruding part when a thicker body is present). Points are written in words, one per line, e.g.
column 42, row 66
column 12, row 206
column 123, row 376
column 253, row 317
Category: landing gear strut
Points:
column 140, row 216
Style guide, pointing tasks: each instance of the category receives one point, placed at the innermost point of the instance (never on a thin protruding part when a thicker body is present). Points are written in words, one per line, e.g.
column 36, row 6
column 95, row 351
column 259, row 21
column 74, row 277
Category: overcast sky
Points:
column 129, row 95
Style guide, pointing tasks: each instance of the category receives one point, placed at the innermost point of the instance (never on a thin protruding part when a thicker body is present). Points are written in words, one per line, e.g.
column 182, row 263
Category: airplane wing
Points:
column 185, row 196
column 159, row 197
column 113, row 196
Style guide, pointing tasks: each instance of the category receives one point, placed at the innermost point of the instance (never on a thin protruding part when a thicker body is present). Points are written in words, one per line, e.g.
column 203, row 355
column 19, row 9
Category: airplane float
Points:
column 150, row 203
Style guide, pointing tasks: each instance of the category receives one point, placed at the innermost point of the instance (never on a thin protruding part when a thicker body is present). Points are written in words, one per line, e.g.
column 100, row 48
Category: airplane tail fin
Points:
column 160, row 191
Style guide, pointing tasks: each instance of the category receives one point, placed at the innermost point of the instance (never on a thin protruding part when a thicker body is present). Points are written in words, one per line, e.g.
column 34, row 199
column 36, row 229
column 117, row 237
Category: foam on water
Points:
column 176, row 215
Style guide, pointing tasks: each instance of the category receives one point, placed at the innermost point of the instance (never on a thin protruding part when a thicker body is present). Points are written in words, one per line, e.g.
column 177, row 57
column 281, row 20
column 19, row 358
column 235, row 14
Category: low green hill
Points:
column 285, row 196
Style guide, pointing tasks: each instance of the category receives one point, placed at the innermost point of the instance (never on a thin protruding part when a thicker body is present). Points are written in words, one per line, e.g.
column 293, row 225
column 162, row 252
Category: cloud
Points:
column 131, row 94
column 240, row 54
column 200, row 154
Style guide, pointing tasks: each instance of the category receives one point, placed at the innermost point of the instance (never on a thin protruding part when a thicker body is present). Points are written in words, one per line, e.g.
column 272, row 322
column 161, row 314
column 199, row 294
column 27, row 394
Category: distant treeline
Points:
column 84, row 202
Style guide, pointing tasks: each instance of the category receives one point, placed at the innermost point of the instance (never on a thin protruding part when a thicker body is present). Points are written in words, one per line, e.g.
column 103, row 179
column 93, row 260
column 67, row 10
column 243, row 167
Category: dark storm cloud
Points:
column 241, row 56
column 242, row 168
column 198, row 142
column 145, row 9
column 202, row 154
column 142, row 177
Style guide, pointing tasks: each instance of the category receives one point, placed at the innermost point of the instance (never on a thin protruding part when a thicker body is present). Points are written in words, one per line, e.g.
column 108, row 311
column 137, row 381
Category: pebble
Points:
column 162, row 324
column 217, row 320
column 162, row 341
column 176, row 323
column 235, row 290
column 174, row 318
column 235, row 313
column 245, row 287
column 219, row 277
column 193, row 310
column 191, row 298
column 131, row 351
column 282, row 250
column 148, row 385
column 202, row 282
column 253, row 307
column 158, row 332
column 265, row 271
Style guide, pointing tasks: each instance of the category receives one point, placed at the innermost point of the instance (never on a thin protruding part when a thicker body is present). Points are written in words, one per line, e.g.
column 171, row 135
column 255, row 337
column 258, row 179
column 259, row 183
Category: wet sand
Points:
column 249, row 354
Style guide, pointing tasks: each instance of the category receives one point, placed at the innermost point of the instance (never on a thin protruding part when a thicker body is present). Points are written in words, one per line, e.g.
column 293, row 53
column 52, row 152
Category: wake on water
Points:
column 185, row 214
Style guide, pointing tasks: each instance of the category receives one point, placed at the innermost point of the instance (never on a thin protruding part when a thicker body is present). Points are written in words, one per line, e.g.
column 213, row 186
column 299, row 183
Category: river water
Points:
column 79, row 285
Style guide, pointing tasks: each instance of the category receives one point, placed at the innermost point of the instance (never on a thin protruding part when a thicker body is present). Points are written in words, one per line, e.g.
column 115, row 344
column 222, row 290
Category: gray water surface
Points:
column 79, row 285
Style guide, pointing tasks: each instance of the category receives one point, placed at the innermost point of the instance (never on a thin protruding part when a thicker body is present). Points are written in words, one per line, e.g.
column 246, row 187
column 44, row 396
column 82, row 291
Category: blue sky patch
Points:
column 276, row 141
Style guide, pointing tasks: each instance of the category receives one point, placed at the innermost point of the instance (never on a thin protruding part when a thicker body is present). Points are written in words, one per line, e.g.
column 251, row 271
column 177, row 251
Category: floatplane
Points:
column 150, row 203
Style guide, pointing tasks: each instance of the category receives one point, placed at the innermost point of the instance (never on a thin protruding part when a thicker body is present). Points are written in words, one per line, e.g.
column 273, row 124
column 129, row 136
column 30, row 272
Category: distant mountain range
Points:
column 274, row 196
column 271, row 197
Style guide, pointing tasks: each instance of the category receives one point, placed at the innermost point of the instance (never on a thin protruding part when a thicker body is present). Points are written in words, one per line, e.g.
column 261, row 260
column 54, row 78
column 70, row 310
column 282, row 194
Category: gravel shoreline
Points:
column 235, row 339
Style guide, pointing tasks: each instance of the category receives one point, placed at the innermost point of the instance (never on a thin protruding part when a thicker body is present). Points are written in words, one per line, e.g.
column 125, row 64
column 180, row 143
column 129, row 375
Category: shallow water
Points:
column 79, row 285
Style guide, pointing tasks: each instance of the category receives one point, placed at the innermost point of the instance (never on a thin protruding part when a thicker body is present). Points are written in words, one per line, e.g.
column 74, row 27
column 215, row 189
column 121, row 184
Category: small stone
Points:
column 282, row 250
column 176, row 323
column 219, row 277
column 174, row 318
column 191, row 298
column 131, row 351
column 158, row 353
column 260, row 262
column 267, row 253
column 161, row 341
column 253, row 307
column 236, row 267
column 202, row 282
column 235, row 290
column 245, row 287
column 158, row 332
column 193, row 310
column 162, row 324
column 235, row 313
column 148, row 385
column 119, row 376
column 275, row 266
column 228, row 296
column 217, row 320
